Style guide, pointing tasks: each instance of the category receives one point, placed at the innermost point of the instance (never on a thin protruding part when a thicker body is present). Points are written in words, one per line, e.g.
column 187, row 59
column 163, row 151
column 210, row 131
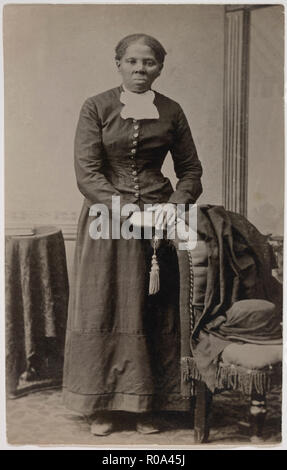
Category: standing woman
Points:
column 122, row 347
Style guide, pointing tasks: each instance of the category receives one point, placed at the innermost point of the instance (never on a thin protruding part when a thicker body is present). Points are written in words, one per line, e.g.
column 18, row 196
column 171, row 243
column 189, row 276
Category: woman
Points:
column 122, row 347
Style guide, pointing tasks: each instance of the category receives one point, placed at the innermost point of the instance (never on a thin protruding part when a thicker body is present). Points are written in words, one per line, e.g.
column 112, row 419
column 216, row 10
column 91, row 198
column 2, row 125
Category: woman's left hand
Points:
column 165, row 215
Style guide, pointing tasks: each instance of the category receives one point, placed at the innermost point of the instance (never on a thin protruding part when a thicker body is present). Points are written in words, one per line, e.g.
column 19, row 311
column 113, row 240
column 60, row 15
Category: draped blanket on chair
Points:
column 240, row 263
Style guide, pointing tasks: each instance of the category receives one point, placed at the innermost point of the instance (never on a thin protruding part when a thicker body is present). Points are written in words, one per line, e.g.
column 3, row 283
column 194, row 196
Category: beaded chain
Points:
column 191, row 288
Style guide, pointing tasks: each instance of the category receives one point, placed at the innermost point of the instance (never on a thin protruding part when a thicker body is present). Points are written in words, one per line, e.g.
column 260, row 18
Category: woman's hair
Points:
column 149, row 41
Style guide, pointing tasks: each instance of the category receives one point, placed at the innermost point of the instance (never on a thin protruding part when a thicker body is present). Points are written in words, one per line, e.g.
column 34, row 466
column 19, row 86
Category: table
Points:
column 36, row 298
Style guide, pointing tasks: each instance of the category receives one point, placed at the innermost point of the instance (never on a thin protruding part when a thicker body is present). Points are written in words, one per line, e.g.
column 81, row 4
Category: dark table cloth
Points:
column 36, row 309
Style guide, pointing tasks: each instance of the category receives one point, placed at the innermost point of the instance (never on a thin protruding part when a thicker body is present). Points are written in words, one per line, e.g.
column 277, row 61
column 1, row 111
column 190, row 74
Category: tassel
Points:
column 154, row 284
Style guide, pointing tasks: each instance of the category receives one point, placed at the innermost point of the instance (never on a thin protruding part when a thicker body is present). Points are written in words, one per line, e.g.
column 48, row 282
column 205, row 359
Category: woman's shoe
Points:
column 102, row 425
column 146, row 425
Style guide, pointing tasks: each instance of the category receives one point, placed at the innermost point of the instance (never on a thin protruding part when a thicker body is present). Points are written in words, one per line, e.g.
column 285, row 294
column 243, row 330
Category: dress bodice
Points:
column 116, row 156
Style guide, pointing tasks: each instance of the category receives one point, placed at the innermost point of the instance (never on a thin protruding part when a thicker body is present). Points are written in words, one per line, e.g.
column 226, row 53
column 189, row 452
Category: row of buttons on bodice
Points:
column 132, row 155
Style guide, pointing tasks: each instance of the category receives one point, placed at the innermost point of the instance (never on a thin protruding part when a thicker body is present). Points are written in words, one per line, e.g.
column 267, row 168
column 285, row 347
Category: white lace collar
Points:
column 138, row 105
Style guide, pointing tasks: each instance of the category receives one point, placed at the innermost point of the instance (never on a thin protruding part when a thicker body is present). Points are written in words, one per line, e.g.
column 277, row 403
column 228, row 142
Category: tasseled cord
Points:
column 154, row 284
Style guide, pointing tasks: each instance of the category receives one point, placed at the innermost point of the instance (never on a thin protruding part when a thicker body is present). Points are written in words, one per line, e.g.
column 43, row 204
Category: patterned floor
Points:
column 40, row 419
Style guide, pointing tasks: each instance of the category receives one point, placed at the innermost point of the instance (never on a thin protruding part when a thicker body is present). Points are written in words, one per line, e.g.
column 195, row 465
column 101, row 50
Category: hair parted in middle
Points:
column 142, row 38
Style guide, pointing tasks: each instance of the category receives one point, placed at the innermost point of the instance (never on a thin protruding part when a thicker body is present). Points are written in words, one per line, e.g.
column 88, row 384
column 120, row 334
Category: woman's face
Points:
column 139, row 68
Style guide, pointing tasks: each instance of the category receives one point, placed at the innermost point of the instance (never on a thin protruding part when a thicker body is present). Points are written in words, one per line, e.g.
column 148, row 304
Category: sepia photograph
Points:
column 144, row 224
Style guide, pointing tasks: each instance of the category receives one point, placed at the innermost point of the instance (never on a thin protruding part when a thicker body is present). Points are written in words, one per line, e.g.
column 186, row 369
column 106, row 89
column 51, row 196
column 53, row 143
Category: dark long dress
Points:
column 122, row 345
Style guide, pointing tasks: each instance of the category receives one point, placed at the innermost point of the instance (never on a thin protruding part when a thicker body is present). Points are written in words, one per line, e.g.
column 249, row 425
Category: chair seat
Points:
column 252, row 356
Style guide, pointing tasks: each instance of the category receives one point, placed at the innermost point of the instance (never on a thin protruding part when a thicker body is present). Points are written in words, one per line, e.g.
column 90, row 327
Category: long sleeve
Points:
column 187, row 166
column 89, row 159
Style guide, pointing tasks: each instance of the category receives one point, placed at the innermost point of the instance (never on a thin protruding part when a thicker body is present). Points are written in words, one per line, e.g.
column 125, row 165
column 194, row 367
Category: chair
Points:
column 249, row 368
column 233, row 373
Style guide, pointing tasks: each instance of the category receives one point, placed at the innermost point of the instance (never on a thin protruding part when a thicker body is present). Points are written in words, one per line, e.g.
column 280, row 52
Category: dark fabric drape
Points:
column 240, row 263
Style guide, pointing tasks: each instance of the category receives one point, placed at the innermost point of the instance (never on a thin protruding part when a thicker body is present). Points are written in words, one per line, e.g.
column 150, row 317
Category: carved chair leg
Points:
column 201, row 413
column 257, row 416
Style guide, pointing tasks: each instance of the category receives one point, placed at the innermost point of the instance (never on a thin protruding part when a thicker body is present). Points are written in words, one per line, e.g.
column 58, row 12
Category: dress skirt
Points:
column 122, row 345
